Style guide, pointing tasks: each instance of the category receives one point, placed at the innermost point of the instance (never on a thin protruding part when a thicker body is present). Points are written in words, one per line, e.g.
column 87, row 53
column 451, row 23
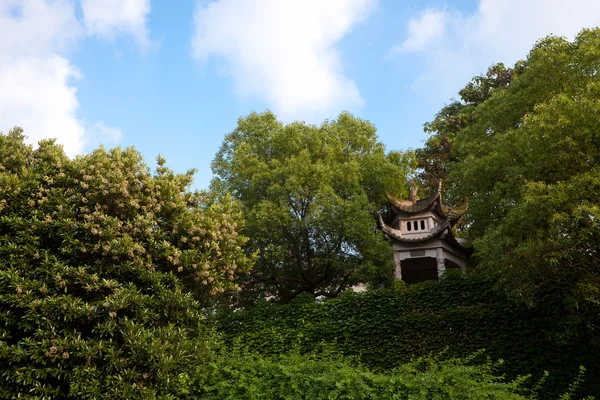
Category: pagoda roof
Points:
column 434, row 203
column 415, row 206
column 444, row 231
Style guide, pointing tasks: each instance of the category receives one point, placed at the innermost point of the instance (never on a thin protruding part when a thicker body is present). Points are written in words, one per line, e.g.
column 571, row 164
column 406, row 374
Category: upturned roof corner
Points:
column 433, row 202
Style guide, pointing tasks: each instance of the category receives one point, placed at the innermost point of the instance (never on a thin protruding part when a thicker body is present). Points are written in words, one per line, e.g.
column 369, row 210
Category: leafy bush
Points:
column 103, row 266
column 457, row 315
column 242, row 375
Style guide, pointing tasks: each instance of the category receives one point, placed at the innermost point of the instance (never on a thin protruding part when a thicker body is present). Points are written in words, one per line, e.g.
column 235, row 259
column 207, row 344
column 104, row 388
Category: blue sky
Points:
column 173, row 76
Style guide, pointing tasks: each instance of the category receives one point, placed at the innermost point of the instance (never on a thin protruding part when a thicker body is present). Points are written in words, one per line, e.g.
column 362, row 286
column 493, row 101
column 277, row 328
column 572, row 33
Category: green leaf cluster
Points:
column 244, row 375
column 529, row 161
column 436, row 158
column 310, row 195
column 104, row 268
column 456, row 316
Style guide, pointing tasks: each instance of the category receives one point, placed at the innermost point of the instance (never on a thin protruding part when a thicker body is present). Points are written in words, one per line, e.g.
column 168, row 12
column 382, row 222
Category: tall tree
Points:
column 530, row 163
column 310, row 195
column 436, row 157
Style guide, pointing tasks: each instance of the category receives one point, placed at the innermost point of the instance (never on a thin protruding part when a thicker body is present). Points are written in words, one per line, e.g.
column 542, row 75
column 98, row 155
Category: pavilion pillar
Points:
column 398, row 269
column 441, row 262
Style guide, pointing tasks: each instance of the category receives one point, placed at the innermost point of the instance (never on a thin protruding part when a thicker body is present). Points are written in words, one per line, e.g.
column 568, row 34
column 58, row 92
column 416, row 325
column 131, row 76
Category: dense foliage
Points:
column 456, row 316
column 527, row 155
column 240, row 375
column 310, row 194
column 103, row 266
column 436, row 157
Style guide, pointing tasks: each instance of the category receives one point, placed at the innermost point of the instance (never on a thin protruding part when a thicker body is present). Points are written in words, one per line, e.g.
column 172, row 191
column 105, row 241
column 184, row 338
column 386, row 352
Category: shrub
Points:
column 103, row 268
column 456, row 315
column 242, row 375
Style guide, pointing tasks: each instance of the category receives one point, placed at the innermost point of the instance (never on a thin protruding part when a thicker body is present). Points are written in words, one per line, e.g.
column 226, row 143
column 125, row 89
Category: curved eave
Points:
column 452, row 240
column 444, row 231
column 434, row 203
column 417, row 206
column 397, row 234
column 453, row 214
column 388, row 230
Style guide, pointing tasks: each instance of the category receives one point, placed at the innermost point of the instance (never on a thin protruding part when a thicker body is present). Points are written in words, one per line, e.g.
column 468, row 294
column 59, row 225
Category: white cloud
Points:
column 33, row 27
column 283, row 51
column 498, row 31
column 425, row 29
column 37, row 92
column 35, row 80
column 110, row 17
column 99, row 133
column 36, row 95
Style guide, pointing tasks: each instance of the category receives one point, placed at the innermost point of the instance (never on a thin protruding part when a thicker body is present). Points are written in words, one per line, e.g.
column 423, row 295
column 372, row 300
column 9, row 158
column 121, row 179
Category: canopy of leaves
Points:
column 310, row 194
column 103, row 268
column 436, row 157
column 530, row 163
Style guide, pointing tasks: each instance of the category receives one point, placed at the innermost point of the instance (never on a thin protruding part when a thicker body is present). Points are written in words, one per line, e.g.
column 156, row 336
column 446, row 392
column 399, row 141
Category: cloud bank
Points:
column 36, row 76
column 108, row 18
column 456, row 46
column 283, row 52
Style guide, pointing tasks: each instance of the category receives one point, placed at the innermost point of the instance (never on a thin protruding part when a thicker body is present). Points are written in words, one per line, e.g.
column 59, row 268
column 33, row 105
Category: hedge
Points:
column 246, row 375
column 456, row 316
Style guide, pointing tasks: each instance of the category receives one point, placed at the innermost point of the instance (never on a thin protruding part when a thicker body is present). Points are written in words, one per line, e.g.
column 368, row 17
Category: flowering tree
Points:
column 104, row 267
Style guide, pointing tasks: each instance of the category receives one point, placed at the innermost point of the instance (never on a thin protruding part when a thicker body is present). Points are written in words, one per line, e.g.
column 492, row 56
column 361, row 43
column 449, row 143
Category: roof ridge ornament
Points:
column 414, row 188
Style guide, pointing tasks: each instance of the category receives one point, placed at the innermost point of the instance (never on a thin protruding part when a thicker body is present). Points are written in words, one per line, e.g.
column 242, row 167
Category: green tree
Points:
column 436, row 157
column 530, row 163
column 103, row 270
column 310, row 195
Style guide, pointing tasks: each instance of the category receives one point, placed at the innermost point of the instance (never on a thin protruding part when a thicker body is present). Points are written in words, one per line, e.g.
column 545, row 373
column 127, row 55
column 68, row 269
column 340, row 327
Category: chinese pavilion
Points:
column 420, row 232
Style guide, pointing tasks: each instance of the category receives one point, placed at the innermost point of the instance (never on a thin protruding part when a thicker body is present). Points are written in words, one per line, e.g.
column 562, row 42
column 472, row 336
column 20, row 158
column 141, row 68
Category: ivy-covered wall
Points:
column 457, row 316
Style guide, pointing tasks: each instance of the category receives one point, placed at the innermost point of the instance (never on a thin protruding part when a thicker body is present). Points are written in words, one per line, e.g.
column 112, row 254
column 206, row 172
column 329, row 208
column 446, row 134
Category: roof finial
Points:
column 413, row 190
